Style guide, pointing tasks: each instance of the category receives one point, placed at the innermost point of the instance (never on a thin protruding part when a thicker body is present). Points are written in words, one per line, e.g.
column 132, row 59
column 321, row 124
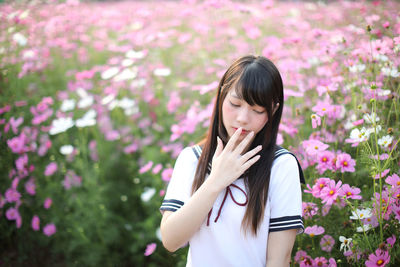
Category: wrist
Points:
column 211, row 184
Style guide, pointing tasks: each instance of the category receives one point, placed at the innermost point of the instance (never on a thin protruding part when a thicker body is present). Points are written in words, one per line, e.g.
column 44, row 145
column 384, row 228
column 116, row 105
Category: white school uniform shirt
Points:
column 222, row 242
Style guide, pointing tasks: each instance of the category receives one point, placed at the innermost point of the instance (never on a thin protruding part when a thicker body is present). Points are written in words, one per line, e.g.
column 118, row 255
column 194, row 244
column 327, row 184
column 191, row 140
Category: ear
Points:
column 275, row 108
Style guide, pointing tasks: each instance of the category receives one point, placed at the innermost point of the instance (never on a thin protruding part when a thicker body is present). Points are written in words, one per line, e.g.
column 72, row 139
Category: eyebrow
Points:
column 233, row 94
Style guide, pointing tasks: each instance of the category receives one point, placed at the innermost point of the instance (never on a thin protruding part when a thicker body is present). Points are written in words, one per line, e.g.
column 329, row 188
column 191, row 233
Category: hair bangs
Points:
column 255, row 87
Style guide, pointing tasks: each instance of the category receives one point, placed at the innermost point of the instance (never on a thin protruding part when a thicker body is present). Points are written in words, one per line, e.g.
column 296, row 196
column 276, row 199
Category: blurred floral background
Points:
column 97, row 99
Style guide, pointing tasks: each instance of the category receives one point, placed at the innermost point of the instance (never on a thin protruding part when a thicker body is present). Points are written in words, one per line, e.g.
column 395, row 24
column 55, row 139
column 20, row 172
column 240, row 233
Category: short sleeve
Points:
column 285, row 195
column 180, row 185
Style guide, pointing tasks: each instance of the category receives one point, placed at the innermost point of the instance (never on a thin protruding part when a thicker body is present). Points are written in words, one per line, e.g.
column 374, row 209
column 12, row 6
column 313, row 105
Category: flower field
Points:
column 98, row 99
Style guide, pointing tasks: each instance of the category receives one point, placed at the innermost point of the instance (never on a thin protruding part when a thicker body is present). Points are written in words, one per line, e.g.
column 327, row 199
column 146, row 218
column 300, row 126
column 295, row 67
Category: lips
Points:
column 243, row 130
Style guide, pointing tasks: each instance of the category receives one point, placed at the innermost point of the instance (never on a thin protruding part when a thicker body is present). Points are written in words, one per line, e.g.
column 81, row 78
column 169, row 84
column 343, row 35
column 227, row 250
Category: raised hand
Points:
column 228, row 163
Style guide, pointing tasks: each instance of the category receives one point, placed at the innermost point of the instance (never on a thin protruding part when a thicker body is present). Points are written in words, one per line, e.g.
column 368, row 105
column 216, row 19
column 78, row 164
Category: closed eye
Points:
column 234, row 105
column 259, row 112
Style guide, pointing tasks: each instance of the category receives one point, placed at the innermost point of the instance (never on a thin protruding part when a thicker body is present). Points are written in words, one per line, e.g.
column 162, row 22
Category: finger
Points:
column 232, row 141
column 243, row 144
column 251, row 153
column 219, row 148
column 250, row 162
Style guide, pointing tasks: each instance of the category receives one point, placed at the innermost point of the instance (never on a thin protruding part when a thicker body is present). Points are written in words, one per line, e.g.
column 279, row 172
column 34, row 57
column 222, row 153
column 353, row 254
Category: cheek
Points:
column 261, row 122
column 227, row 112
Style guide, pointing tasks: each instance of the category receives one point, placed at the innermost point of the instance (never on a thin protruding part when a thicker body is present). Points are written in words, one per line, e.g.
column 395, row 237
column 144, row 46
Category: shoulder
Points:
column 284, row 158
column 285, row 168
column 188, row 155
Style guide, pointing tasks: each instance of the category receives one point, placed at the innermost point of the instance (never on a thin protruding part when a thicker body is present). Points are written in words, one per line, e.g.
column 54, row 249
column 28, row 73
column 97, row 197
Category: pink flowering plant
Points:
column 97, row 101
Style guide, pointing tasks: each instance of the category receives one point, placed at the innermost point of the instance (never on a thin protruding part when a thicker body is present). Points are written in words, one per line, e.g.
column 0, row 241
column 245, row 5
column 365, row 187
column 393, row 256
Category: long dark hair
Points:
column 258, row 82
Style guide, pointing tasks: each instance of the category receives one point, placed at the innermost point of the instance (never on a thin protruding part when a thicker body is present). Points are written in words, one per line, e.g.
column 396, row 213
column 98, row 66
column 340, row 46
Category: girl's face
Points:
column 238, row 113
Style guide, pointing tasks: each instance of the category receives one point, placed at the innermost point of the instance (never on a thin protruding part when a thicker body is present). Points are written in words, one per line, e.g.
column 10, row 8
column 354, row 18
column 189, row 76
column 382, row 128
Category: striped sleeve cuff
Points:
column 171, row 205
column 286, row 223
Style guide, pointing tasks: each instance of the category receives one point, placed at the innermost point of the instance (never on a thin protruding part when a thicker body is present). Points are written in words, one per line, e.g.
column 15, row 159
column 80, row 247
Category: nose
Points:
column 243, row 116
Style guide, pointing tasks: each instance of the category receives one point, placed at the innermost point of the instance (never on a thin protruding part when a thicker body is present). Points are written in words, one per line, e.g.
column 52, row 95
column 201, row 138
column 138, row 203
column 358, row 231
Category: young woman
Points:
column 236, row 197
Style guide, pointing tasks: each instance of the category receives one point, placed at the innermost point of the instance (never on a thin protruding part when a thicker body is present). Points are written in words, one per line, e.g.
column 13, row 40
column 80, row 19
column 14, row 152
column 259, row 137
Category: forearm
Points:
column 179, row 226
column 280, row 246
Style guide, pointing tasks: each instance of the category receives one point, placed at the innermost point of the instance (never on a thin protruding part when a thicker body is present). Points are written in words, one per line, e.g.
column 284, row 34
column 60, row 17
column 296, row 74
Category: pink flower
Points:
column 393, row 180
column 47, row 203
column 175, row 101
column 17, row 144
column 320, row 261
column 325, row 161
column 320, row 184
column 372, row 220
column 300, row 256
column 35, row 223
column 391, row 240
column 15, row 123
column 162, row 193
column 157, row 168
column 12, row 195
column 93, row 150
column 345, row 163
column 314, row 147
column 146, row 167
column 150, row 249
column 315, row 120
column 327, row 242
column 379, row 259
column 22, row 162
column 330, row 192
column 51, row 169
column 314, row 230
column 131, row 148
column 167, row 174
column 71, row 179
column 49, row 229
column 30, row 187
column 332, row 262
column 350, row 192
column 5, row 109
column 12, row 214
column 382, row 174
column 309, row 209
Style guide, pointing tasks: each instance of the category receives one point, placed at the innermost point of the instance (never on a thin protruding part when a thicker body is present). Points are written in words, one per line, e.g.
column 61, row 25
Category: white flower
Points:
column 20, row 39
column 81, row 92
column 67, row 105
column 345, row 243
column 126, row 74
column 109, row 73
column 147, row 194
column 126, row 103
column 66, row 149
column 313, row 61
column 162, row 72
column 359, row 136
column 28, row 54
column 138, row 82
column 357, row 68
column 135, row 54
column 127, row 62
column 364, row 228
column 385, row 141
column 371, row 118
column 106, row 100
column 384, row 92
column 86, row 102
column 89, row 119
column 393, row 72
column 24, row 14
column 381, row 57
column 361, row 214
column 60, row 125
